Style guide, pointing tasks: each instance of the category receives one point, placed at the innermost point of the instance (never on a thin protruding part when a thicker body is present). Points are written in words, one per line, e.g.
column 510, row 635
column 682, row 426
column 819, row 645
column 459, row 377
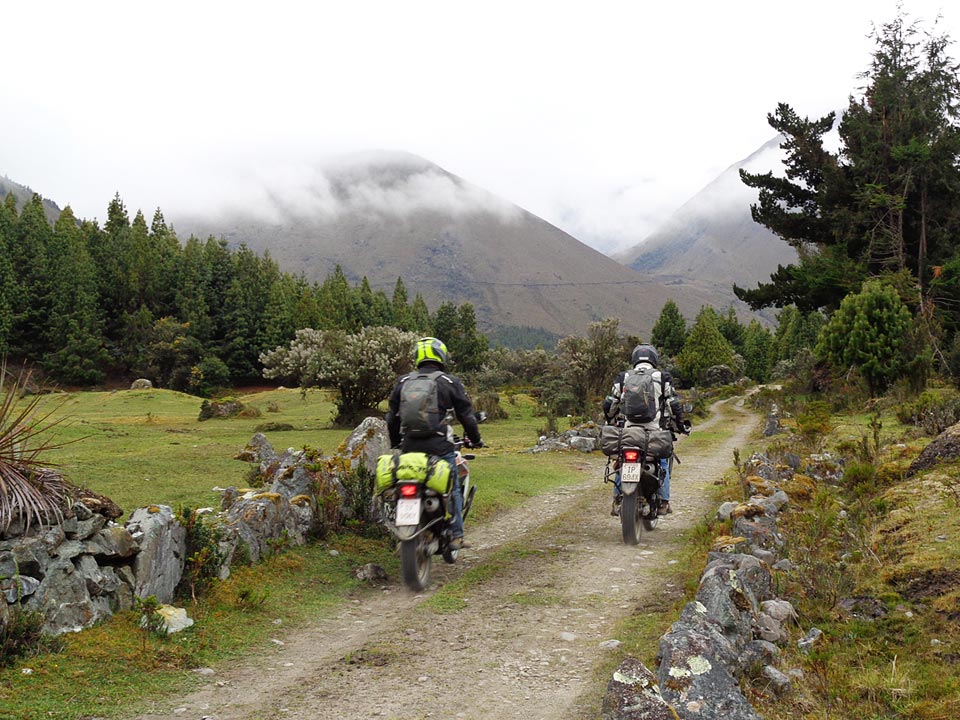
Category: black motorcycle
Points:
column 417, row 511
column 637, row 458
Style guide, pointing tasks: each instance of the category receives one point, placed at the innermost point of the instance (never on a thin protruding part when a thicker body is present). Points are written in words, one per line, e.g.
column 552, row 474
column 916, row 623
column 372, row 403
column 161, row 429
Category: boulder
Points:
column 944, row 448
column 369, row 440
column 141, row 384
column 633, row 694
column 163, row 547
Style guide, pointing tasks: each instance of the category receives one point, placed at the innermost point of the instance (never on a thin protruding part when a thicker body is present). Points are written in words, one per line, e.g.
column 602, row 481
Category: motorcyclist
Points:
column 669, row 413
column 431, row 356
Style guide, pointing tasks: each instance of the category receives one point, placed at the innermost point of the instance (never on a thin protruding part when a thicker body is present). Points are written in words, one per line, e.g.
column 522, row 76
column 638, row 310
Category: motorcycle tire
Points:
column 651, row 520
column 468, row 500
column 630, row 508
column 415, row 560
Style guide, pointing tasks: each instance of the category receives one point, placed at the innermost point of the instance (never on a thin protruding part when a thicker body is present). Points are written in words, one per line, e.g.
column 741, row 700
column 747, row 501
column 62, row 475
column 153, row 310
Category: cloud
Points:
column 372, row 183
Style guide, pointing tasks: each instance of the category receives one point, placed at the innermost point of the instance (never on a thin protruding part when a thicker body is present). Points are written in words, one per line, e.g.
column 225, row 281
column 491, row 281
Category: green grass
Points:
column 147, row 446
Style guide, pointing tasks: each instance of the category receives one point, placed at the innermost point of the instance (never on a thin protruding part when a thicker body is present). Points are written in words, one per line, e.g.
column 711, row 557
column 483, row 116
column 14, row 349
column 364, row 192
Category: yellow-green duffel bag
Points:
column 416, row 466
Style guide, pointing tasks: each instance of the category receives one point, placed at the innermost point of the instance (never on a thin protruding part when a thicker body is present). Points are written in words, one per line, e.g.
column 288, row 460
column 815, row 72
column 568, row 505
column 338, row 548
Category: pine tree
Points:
column 759, row 352
column 733, row 330
column 670, row 331
column 871, row 332
column 705, row 347
column 8, row 288
column 887, row 201
column 336, row 302
column 77, row 354
column 419, row 316
column 399, row 305
column 31, row 301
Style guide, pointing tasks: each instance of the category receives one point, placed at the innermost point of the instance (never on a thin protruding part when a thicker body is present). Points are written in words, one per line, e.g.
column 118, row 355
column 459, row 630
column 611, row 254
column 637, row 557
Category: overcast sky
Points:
column 602, row 117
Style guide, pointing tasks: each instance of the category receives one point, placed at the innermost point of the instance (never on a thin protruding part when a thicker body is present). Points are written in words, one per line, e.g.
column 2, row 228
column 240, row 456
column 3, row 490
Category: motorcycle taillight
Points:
column 408, row 491
column 631, row 456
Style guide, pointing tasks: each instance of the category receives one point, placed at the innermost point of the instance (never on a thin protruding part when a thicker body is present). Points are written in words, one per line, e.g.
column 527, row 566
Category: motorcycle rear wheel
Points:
column 415, row 562
column 630, row 519
column 653, row 519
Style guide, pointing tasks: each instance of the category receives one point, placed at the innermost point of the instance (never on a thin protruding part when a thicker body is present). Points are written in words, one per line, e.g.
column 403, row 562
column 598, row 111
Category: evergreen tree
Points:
column 888, row 200
column 733, row 330
column 419, row 316
column 336, row 304
column 470, row 346
column 77, row 354
column 191, row 300
column 871, row 332
column 110, row 251
column 670, row 331
column 796, row 331
column 399, row 307
column 705, row 347
column 167, row 248
column 246, row 305
column 8, row 288
column 759, row 352
column 31, row 300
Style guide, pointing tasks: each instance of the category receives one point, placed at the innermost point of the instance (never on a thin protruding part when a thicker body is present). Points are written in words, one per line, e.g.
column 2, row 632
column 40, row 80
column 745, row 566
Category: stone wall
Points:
column 89, row 567
column 734, row 628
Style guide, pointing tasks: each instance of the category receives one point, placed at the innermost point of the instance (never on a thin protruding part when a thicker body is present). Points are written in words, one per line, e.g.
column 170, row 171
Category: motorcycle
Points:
column 419, row 515
column 641, row 475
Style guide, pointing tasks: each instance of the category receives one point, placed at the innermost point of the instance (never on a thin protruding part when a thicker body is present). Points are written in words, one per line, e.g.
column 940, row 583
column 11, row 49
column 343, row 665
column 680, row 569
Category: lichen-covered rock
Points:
column 141, row 384
column 632, row 694
column 369, row 440
column 263, row 521
column 693, row 682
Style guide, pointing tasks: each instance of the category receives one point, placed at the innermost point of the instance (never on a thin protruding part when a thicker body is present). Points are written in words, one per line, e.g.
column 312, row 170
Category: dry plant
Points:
column 28, row 488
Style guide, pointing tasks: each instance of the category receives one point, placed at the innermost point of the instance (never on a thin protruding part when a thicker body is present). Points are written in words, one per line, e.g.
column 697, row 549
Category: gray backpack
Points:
column 639, row 399
column 419, row 406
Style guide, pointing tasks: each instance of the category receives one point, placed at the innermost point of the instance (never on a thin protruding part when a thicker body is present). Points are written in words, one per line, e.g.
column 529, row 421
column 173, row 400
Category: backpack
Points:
column 419, row 406
column 639, row 399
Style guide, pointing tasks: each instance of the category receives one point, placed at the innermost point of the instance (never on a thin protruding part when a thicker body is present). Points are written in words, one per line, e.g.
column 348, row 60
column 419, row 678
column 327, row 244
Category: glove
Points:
column 685, row 427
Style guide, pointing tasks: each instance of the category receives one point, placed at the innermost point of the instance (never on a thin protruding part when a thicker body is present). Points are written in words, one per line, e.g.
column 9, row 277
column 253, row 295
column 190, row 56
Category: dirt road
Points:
column 525, row 646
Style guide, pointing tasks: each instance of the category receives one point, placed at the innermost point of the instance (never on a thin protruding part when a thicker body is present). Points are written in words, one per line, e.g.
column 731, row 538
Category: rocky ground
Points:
column 527, row 643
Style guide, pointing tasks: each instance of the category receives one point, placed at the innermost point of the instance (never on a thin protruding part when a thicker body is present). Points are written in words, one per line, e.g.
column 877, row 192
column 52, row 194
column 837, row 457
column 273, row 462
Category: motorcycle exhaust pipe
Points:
column 431, row 504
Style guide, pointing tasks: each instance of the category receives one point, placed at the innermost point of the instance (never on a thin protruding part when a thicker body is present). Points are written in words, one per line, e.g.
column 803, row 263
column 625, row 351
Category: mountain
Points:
column 24, row 194
column 389, row 215
column 711, row 242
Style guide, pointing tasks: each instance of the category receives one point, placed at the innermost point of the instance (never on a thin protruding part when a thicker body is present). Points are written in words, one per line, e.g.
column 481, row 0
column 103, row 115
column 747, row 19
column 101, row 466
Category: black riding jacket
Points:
column 450, row 395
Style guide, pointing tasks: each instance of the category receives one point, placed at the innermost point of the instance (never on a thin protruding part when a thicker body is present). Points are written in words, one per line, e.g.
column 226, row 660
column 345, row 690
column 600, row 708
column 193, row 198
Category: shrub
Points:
column 934, row 412
column 204, row 557
column 22, row 635
column 489, row 402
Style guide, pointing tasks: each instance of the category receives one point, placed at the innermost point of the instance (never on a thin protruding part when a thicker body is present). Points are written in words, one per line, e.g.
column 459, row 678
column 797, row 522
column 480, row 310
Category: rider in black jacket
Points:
column 432, row 355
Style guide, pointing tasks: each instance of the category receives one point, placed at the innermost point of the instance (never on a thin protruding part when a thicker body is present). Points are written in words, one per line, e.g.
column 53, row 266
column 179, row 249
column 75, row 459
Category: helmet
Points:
column 645, row 353
column 429, row 349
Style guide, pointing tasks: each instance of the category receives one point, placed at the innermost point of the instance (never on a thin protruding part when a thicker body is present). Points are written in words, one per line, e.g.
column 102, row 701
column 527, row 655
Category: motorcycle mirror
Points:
column 688, row 407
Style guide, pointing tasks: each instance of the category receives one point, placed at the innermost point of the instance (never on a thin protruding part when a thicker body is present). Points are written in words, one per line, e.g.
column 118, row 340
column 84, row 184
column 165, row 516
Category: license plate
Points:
column 630, row 472
column 408, row 511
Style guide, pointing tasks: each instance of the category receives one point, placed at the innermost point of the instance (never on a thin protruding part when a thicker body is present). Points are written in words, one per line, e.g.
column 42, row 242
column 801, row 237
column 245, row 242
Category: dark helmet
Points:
column 645, row 353
column 429, row 349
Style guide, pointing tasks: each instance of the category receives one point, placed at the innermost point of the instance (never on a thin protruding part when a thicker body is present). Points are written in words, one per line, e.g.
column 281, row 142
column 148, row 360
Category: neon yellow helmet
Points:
column 429, row 349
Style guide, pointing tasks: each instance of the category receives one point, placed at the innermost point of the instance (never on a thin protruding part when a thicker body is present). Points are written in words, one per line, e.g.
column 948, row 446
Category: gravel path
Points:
column 526, row 644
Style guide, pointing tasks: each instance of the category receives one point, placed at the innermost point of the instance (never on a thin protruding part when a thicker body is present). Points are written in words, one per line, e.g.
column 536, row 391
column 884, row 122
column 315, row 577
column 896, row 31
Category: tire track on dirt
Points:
column 526, row 644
